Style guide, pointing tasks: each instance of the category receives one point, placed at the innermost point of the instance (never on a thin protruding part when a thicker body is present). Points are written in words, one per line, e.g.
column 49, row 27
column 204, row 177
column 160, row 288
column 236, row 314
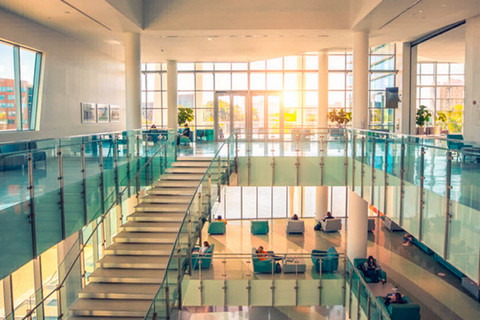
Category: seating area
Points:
column 329, row 260
column 380, row 275
column 262, row 266
column 259, row 227
column 204, row 261
column 408, row 310
column 216, row 228
column 205, row 134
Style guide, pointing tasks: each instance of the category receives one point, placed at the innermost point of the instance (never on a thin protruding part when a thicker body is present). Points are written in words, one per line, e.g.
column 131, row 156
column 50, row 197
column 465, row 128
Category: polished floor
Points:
column 412, row 271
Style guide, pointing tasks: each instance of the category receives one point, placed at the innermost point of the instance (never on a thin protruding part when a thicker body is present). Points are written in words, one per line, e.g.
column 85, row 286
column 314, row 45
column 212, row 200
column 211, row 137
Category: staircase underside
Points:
column 127, row 278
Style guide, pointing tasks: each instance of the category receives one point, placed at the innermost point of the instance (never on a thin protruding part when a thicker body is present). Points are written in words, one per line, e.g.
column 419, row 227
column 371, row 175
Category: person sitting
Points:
column 407, row 240
column 370, row 268
column 186, row 131
column 395, row 298
column 264, row 255
column 203, row 249
column 153, row 133
column 219, row 218
column 294, row 217
column 328, row 216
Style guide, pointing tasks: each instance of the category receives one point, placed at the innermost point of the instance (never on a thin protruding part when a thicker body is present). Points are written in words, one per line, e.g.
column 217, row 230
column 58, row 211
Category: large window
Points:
column 440, row 87
column 291, row 79
column 382, row 75
column 19, row 78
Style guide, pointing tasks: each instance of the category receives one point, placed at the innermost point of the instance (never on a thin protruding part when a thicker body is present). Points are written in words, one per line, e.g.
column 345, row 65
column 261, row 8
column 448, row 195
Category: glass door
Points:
column 231, row 112
column 268, row 115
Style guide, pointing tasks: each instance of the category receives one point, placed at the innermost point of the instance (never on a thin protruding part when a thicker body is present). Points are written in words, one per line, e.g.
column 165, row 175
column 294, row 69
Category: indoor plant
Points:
column 341, row 117
column 423, row 116
column 184, row 115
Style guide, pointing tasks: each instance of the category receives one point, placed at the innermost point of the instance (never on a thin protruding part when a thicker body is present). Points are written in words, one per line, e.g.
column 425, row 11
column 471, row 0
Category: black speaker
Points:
column 391, row 98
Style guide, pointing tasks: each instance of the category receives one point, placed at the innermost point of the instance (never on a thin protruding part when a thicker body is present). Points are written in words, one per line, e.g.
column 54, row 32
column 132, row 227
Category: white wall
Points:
column 471, row 116
column 71, row 73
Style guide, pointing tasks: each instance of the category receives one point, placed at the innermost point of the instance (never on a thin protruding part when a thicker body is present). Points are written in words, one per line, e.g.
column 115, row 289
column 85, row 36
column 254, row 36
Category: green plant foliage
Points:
column 184, row 115
column 423, row 116
column 451, row 119
column 341, row 117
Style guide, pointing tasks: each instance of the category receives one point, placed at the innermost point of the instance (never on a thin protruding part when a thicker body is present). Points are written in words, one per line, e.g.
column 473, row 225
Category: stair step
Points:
column 127, row 276
column 104, row 318
column 167, row 191
column 156, row 207
column 134, row 226
column 133, row 262
column 133, row 291
column 145, row 237
column 139, row 249
column 193, row 158
column 177, row 184
column 181, row 177
column 192, row 164
column 153, row 198
column 156, row 217
column 110, row 308
column 180, row 170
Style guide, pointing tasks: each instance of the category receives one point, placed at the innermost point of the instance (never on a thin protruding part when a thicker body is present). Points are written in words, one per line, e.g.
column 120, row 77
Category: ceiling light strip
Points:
column 398, row 15
column 86, row 15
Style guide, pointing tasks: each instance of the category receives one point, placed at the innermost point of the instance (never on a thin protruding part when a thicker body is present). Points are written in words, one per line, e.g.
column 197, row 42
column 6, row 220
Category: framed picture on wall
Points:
column 89, row 112
column 103, row 114
column 114, row 113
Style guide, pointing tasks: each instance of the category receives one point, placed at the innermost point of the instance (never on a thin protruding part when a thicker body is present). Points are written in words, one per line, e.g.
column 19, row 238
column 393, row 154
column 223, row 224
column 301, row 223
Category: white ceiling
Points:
column 448, row 47
column 221, row 30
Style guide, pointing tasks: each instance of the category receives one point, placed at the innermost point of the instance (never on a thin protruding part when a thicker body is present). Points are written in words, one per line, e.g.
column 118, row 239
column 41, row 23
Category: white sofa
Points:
column 331, row 225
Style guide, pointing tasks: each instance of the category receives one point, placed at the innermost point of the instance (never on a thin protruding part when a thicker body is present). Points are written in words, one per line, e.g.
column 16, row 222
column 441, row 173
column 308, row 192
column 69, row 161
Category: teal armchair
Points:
column 329, row 260
column 409, row 310
column 206, row 260
column 380, row 275
column 216, row 227
column 259, row 227
column 262, row 266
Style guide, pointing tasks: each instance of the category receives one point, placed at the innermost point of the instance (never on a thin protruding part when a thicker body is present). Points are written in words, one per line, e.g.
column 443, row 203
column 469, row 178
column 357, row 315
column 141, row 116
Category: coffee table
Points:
column 293, row 265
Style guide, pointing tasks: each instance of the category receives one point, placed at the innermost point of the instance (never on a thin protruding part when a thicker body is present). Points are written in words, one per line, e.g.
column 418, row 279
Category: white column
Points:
column 357, row 226
column 360, row 80
column 322, row 89
column 172, row 94
column 321, row 202
column 133, row 112
column 471, row 116
column 408, row 90
column 298, row 201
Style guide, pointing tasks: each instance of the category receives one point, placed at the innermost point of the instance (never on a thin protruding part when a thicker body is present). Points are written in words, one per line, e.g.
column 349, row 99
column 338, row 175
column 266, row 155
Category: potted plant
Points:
column 423, row 116
column 341, row 117
column 442, row 120
column 184, row 115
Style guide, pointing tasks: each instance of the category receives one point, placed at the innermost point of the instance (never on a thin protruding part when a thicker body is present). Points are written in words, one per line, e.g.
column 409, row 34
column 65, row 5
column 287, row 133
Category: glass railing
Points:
column 79, row 184
column 197, row 213
column 428, row 186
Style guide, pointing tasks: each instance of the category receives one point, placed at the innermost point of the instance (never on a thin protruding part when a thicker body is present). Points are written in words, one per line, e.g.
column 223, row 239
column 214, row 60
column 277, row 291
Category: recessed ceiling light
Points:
column 209, row 39
column 420, row 11
column 112, row 42
column 444, row 5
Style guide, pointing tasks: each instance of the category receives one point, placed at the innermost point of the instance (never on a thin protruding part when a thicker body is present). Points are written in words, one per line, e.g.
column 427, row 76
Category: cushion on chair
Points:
column 259, row 227
column 216, row 227
column 295, row 226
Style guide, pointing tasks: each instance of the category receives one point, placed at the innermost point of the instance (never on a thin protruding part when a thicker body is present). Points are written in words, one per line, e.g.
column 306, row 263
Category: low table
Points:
column 292, row 266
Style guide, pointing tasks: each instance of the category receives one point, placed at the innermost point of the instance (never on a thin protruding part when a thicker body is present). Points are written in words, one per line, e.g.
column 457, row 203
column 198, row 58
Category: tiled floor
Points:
column 414, row 272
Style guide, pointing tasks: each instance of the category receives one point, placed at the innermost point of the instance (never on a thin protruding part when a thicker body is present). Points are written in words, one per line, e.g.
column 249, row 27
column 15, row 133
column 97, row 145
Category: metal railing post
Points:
column 84, row 184
column 228, row 163
column 61, row 192
column 179, row 278
column 402, row 181
column 421, row 203
column 448, row 215
column 31, row 189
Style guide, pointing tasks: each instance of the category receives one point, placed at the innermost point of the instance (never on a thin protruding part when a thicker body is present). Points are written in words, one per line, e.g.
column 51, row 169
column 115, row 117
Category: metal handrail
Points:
column 102, row 218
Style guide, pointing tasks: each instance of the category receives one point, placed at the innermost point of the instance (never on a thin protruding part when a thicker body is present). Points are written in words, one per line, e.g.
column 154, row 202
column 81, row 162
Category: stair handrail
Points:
column 102, row 218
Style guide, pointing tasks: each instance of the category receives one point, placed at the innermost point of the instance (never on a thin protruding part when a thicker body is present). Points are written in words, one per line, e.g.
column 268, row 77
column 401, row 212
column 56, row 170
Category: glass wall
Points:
column 19, row 80
column 440, row 87
column 279, row 93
